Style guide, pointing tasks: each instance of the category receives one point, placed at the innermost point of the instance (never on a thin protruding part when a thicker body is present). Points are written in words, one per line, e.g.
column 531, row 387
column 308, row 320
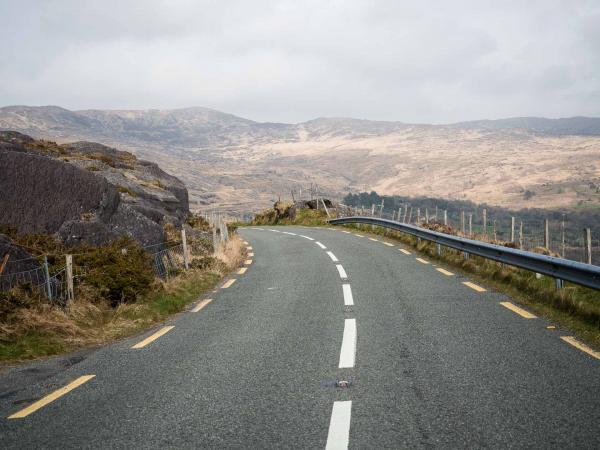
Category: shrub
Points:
column 121, row 271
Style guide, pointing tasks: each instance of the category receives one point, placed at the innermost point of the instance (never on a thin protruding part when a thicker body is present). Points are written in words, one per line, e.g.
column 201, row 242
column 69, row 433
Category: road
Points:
column 385, row 351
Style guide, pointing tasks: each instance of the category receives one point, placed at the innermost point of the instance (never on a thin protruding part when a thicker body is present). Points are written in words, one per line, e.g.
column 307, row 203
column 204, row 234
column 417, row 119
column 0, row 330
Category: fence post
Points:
column 546, row 235
column 186, row 261
column 462, row 222
column 418, row 216
column 485, row 221
column 69, row 273
column 426, row 215
column 521, row 235
column 470, row 225
column 47, row 273
column 512, row 229
column 446, row 217
column 381, row 209
column 562, row 232
column 436, row 208
column 587, row 236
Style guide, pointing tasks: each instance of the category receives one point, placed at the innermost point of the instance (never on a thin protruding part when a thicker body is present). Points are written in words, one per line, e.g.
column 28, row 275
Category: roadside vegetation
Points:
column 286, row 213
column 118, row 296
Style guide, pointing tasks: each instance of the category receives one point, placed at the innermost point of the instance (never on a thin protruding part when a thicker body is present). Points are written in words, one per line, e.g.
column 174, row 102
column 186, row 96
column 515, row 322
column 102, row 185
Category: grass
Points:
column 33, row 328
column 574, row 307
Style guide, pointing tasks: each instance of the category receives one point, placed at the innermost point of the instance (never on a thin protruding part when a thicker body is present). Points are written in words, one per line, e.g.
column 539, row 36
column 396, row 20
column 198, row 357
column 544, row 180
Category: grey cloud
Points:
column 292, row 60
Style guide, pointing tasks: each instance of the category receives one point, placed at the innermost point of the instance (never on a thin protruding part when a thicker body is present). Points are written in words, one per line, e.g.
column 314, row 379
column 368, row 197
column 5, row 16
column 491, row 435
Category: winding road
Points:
column 325, row 339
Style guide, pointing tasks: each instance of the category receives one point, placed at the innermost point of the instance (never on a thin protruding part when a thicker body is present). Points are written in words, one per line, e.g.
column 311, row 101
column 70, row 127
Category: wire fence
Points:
column 57, row 281
column 557, row 237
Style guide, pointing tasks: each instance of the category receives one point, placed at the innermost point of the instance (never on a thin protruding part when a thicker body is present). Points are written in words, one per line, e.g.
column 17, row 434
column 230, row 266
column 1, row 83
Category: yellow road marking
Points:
column 421, row 260
column 201, row 305
column 519, row 311
column 388, row 244
column 249, row 248
column 154, row 337
column 51, row 397
column 246, row 242
column 228, row 283
column 347, row 232
column 242, row 270
column 444, row 271
column 250, row 254
column 581, row 346
column 406, row 252
column 473, row 286
column 248, row 262
column 374, row 240
column 551, row 327
column 358, row 235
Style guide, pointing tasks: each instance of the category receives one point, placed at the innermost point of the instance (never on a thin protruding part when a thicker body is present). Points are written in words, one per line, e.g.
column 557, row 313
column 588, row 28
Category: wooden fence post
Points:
column 485, row 221
column 470, row 225
column 521, row 235
column 186, row 261
column 69, row 273
column 47, row 273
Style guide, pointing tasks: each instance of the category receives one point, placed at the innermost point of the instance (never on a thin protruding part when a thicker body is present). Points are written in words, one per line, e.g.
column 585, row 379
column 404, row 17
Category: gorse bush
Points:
column 121, row 271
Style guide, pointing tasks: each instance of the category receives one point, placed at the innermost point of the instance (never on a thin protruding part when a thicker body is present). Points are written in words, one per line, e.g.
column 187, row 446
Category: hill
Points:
column 239, row 164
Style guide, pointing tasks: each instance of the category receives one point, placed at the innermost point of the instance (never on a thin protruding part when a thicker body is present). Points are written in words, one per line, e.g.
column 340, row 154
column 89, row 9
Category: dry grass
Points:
column 34, row 328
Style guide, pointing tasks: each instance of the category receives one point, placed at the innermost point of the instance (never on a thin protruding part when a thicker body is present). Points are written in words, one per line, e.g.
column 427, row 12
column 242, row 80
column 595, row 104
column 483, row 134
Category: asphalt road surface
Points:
column 328, row 339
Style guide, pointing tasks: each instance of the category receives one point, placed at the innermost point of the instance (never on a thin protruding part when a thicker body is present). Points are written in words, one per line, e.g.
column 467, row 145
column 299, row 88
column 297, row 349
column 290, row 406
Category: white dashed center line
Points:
column 348, row 300
column 306, row 237
column 339, row 426
column 348, row 349
column 341, row 271
column 332, row 256
column 320, row 245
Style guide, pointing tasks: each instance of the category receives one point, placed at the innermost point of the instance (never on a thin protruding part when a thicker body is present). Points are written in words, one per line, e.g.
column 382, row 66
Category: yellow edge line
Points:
column 421, row 260
column 406, row 252
column 473, row 286
column 584, row 348
column 520, row 311
column 388, row 244
column 246, row 242
column 374, row 240
column 202, row 304
column 250, row 254
column 444, row 271
column 228, row 283
column 51, row 397
column 242, row 270
column 154, row 337
column 248, row 262
column 358, row 235
column 249, row 248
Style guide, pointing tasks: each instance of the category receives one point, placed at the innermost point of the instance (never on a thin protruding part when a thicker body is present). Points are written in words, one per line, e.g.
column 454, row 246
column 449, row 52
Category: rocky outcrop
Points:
column 85, row 192
column 19, row 260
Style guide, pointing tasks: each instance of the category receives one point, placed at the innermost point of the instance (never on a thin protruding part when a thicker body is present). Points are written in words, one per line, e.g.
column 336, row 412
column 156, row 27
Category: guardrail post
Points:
column 186, row 261
column 438, row 249
column 559, row 283
column 69, row 273
column 47, row 273
column 587, row 236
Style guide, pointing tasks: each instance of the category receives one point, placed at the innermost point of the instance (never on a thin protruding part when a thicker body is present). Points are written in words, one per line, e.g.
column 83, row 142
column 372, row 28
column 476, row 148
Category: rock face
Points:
column 85, row 192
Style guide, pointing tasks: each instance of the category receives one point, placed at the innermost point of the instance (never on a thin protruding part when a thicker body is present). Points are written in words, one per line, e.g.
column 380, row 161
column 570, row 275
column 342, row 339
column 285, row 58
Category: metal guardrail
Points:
column 561, row 269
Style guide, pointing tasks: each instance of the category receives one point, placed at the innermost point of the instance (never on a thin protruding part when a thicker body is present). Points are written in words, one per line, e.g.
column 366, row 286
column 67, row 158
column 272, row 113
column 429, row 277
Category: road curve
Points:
column 327, row 340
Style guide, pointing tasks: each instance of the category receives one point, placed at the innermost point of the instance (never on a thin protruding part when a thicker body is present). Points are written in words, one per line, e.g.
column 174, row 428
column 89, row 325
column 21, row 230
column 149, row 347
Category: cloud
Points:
column 291, row 60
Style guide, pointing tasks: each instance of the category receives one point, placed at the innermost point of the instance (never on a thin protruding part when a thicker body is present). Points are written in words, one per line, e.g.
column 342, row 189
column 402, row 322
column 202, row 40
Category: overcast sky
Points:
column 290, row 61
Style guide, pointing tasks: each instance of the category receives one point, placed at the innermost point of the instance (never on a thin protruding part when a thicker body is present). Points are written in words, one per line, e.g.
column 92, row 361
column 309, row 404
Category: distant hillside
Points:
column 241, row 165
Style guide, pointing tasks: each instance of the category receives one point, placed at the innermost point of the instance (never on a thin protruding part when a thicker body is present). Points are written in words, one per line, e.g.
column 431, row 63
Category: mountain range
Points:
column 241, row 165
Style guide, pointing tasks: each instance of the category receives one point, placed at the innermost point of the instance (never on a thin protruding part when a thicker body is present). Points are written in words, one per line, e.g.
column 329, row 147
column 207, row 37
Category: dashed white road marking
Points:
column 306, row 237
column 338, row 436
column 444, row 271
column 341, row 271
column 275, row 231
column 422, row 261
column 406, row 252
column 347, row 232
column 348, row 299
column 358, row 235
column 389, row 244
column 333, row 257
column 291, row 234
column 242, row 270
column 250, row 255
column 374, row 240
column 348, row 350
column 320, row 245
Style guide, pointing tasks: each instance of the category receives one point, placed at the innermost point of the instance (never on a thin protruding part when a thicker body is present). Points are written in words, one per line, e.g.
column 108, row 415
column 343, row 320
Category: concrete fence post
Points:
column 470, row 225
column 512, row 229
column 521, row 235
column 446, row 217
column 485, row 221
column 587, row 236
column 546, row 234
column 69, row 274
